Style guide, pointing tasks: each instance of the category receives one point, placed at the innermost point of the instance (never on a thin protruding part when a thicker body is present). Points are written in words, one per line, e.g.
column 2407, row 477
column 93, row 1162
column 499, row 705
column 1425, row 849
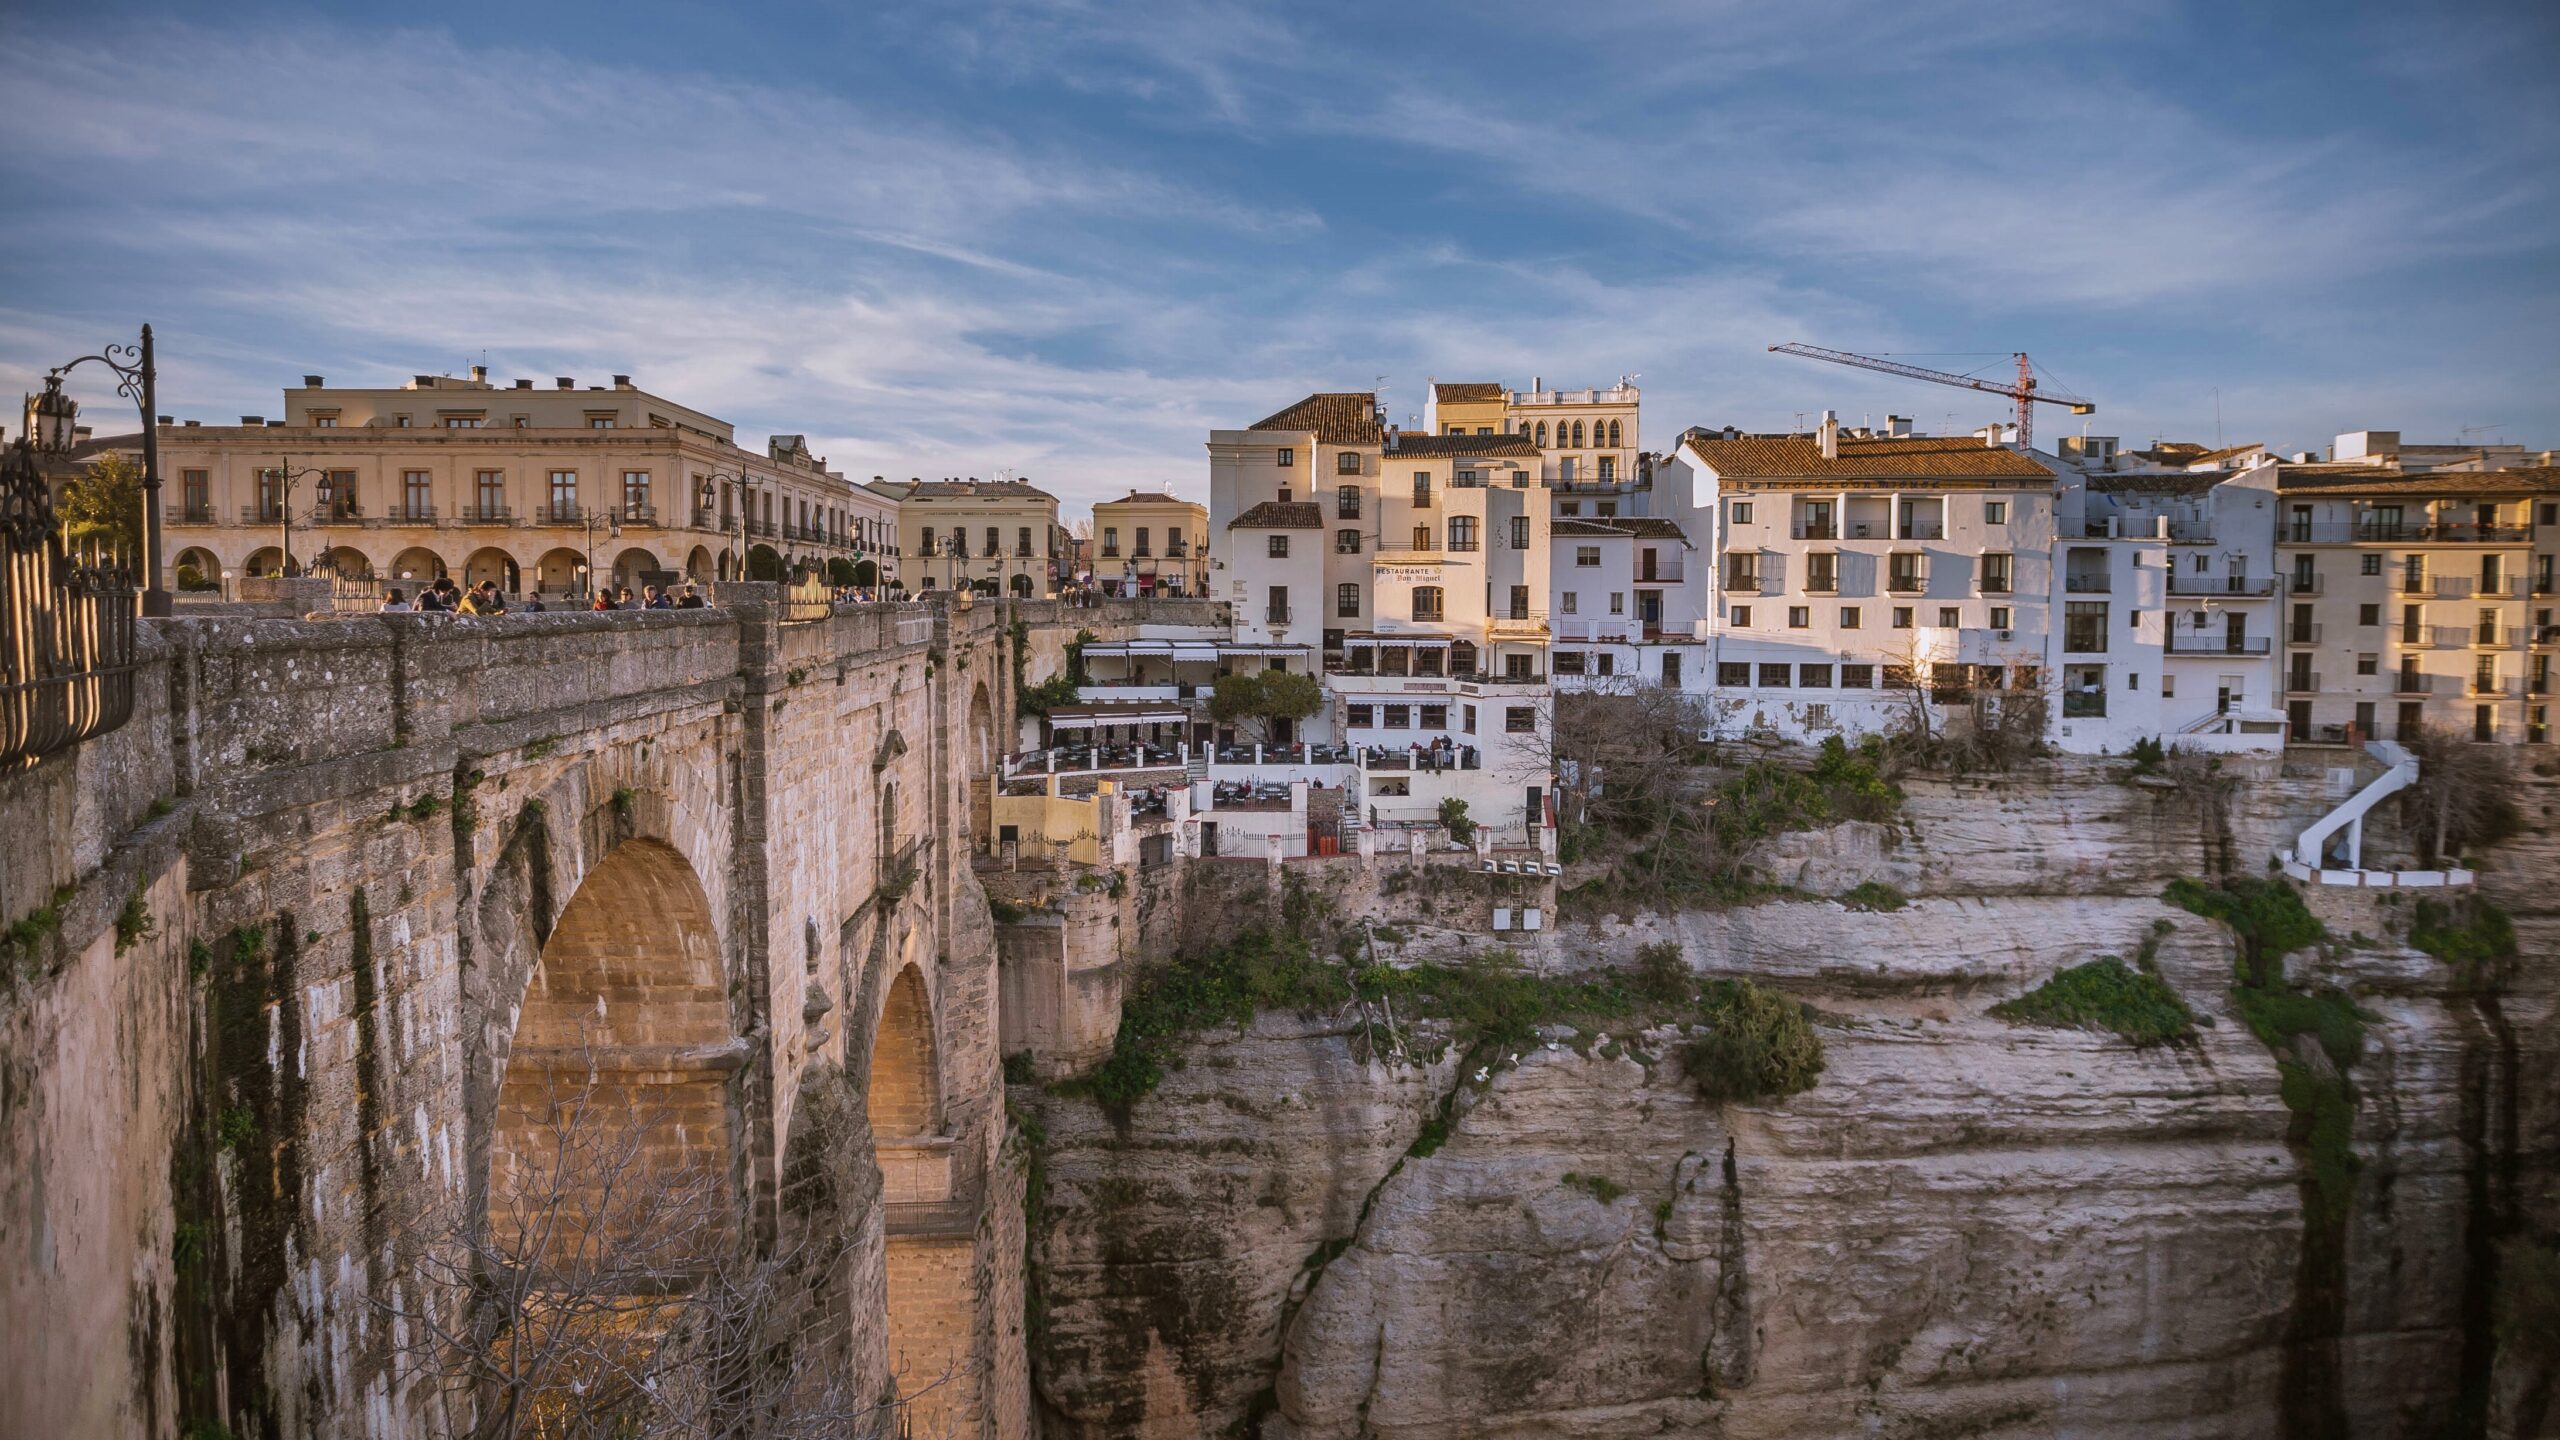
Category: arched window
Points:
column 1577, row 434
column 1613, row 435
column 1426, row 602
column 1542, row 433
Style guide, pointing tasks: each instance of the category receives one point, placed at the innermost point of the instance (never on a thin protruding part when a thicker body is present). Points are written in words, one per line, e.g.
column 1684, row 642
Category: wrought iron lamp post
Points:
column 738, row 537
column 50, row 417
column 285, row 475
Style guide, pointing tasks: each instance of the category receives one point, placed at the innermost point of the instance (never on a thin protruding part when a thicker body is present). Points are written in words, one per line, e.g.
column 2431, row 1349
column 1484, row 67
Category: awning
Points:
column 1180, row 652
column 1130, row 712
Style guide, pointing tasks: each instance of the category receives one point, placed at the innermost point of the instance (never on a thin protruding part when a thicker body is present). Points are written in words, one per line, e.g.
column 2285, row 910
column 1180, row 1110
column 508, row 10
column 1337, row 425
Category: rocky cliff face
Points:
column 1967, row 1228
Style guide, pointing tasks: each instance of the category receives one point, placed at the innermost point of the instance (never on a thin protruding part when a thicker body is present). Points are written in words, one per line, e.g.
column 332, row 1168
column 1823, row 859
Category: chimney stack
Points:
column 479, row 374
column 312, row 382
column 565, row 382
column 1830, row 435
column 524, row 384
column 621, row 382
column 253, row 420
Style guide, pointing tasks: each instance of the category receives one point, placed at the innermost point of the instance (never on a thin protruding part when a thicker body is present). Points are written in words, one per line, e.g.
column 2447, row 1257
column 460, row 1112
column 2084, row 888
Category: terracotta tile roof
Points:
column 1280, row 515
column 2227, row 452
column 1428, row 446
column 1147, row 497
column 1338, row 417
column 1648, row 527
column 975, row 489
column 1591, row 529
column 2456, row 484
column 1919, row 457
column 2180, row 483
column 1458, row 390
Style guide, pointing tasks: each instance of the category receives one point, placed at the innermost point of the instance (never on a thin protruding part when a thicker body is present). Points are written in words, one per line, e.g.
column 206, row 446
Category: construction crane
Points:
column 2026, row 390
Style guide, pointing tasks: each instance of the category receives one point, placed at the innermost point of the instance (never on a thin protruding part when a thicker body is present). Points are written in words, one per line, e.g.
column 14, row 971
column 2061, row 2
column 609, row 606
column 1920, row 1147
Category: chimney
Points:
column 1537, row 383
column 253, row 419
column 479, row 374
column 1830, row 435
column 621, row 382
column 312, row 382
column 423, row 382
column 565, row 382
column 167, row 420
column 524, row 384
column 1898, row 426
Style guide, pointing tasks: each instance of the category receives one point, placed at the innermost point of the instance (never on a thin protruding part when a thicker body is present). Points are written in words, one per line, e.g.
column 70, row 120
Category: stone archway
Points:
column 611, row 1172
column 491, row 564
column 932, row 1313
column 558, row 571
column 981, row 757
column 417, row 565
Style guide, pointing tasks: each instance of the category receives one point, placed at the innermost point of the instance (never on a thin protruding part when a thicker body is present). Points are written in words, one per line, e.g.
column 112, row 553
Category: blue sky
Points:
column 1067, row 239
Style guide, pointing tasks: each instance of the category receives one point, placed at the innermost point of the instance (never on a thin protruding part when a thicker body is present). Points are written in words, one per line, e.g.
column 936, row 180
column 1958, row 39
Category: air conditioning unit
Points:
column 2006, row 634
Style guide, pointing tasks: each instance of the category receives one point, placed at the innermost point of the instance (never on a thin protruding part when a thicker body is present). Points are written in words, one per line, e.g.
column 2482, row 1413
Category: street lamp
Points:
column 613, row 531
column 738, row 543
column 50, row 418
column 285, row 475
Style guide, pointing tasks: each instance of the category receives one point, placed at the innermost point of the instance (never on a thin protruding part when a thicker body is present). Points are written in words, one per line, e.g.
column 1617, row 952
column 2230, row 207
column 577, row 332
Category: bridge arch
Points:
column 905, row 1093
column 932, row 1317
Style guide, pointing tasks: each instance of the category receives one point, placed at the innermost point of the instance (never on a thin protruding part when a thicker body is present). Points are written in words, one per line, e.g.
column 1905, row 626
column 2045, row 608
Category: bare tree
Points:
column 609, row 1290
column 2464, row 795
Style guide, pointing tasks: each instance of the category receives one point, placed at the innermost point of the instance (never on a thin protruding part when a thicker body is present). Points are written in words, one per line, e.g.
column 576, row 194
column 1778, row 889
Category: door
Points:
column 2364, row 720
column 1537, row 807
column 2298, row 716
column 2235, row 632
column 2409, row 720
column 1671, row 670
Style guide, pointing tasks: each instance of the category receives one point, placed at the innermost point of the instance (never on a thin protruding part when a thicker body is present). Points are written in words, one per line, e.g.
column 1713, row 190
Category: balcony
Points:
column 559, row 513
column 2088, row 584
column 2452, row 532
column 2302, row 584
column 1662, row 575
column 1822, row 584
column 2493, row 687
column 2496, row 636
column 1921, row 532
column 2191, row 644
column 2252, row 587
column 486, row 515
column 2302, row 682
column 2301, row 634
column 1903, row 582
column 1812, row 531
column 190, row 514
column 640, row 513
column 1742, row 582
column 2084, row 704
column 1518, row 624
column 261, row 515
column 2410, row 682
column 1280, row 615
column 412, row 515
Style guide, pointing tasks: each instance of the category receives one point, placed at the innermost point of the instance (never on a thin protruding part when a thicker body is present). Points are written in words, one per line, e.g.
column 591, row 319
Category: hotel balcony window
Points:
column 417, row 495
column 195, row 491
column 1427, row 603
column 1904, row 573
column 338, row 495
column 489, row 495
column 1462, row 533
column 1110, row 542
column 1995, row 574
column 1346, row 502
column 1742, row 574
column 2084, row 626
column 1821, row 573
column 1346, row 542
column 564, row 494
column 635, row 495
column 1813, row 521
column 1608, row 468
column 995, row 541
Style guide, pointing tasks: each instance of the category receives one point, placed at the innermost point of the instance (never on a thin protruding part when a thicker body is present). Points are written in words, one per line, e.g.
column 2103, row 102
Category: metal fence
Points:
column 66, row 627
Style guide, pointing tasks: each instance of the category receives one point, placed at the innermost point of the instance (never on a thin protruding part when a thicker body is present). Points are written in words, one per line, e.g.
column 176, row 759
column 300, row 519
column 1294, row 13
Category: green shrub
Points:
column 1874, row 895
column 1017, row 1069
column 1005, row 911
column 1663, row 974
column 1852, row 780
column 2472, row 937
column 134, row 923
column 2275, row 1014
column 1759, row 1045
column 2149, row 756
column 1598, row 1187
column 1453, row 818
column 2267, row 915
column 2105, row 994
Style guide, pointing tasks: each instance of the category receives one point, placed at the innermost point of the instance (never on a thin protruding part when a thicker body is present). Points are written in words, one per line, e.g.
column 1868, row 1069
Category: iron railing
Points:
column 66, row 627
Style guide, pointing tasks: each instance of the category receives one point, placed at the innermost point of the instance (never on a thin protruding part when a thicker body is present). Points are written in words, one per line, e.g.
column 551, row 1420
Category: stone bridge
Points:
column 306, row 957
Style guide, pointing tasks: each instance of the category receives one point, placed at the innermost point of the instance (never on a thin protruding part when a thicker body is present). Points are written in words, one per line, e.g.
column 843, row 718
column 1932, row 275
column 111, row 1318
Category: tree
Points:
column 1264, row 696
column 2464, row 795
column 103, row 507
column 866, row 573
column 840, row 571
column 601, row 1294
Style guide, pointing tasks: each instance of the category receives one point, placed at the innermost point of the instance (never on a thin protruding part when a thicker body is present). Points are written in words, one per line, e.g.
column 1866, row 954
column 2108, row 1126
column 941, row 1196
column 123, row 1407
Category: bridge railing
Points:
column 66, row 628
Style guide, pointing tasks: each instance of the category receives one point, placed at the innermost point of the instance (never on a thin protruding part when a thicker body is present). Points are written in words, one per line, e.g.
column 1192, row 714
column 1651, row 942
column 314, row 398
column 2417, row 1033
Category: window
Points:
column 1422, row 537
column 1901, row 617
column 1733, row 673
column 1346, row 502
column 2368, row 664
column 1671, row 669
column 1399, row 717
column 1741, row 512
column 1995, row 574
column 928, row 540
column 324, row 422
column 1434, row 717
column 1346, row 601
column 1848, row 617
column 1606, row 509
column 1857, row 677
column 1799, row 617
column 2369, row 614
column 1586, row 556
column 1813, row 677
column 1279, row 547
column 1467, row 718
column 1288, row 457
column 1347, row 463
column 1608, row 662
column 1462, row 533
column 1617, row 602
column 1999, row 617
column 1608, row 467
column 1571, row 602
column 1516, row 667
column 1520, row 719
column 1776, row 675
column 1278, row 611
column 1360, row 715
column 1822, row 573
column 1519, row 532
column 1346, row 542
column 1742, row 616
column 2369, row 564
column 635, row 494
column 995, row 540
column 1995, row 512
column 599, row 422
column 338, row 494
column 399, row 422
column 1421, row 489
column 462, row 422
column 1110, row 542
column 1426, row 602
column 1568, row 662
column 1949, row 617
column 564, row 494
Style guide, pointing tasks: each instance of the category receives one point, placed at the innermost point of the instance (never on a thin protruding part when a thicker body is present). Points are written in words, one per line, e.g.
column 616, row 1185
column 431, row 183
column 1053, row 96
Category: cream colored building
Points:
column 534, row 489
column 998, row 536
column 1150, row 543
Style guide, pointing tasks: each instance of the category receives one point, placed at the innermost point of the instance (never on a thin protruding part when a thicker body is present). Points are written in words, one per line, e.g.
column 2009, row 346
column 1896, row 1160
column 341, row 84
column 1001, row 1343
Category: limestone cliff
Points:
column 1968, row 1227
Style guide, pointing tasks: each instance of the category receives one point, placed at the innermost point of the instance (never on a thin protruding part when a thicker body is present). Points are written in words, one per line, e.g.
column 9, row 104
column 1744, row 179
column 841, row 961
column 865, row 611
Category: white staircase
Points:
column 2307, row 860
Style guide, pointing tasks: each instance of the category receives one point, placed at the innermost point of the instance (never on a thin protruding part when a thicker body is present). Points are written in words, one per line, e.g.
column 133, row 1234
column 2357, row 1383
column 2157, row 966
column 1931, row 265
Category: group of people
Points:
column 443, row 597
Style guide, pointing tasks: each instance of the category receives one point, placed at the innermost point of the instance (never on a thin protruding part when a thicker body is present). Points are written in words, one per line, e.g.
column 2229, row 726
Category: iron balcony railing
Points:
column 2302, row 682
column 1811, row 530
column 1742, row 582
column 1903, row 582
column 2088, row 584
column 2304, row 585
column 1920, row 532
column 2249, row 585
column 2084, row 704
column 2453, row 532
column 2410, row 682
column 201, row 514
column 2208, row 644
column 2301, row 633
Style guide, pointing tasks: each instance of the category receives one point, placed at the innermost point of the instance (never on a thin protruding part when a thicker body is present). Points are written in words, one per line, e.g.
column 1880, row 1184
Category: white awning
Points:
column 1135, row 712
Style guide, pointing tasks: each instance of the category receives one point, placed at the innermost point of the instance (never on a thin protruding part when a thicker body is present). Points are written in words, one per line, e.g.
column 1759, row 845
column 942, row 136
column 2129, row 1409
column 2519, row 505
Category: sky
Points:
column 1064, row 240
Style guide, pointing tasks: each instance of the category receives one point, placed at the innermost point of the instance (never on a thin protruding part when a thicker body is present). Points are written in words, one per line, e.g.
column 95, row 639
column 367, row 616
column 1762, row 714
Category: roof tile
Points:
column 1281, row 515
column 1338, row 417
column 1918, row 457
